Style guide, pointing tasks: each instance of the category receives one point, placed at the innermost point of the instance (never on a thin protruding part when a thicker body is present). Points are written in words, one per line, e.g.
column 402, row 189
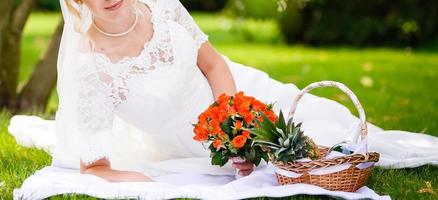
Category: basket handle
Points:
column 363, row 125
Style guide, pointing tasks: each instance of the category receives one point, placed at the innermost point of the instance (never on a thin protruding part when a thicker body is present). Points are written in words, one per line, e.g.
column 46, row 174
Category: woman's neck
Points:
column 120, row 24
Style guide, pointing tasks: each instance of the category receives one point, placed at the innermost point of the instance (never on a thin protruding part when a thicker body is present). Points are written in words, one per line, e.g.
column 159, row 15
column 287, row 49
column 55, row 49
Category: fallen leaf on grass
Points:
column 404, row 102
column 428, row 189
column 367, row 66
column 342, row 97
column 367, row 81
column 391, row 118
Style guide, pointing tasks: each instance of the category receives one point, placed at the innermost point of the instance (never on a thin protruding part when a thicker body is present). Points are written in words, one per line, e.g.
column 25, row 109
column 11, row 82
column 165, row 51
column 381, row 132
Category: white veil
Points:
column 64, row 153
column 96, row 141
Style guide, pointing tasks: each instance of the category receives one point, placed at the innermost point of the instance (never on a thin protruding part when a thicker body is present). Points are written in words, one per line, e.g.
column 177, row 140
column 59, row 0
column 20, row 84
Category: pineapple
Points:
column 286, row 142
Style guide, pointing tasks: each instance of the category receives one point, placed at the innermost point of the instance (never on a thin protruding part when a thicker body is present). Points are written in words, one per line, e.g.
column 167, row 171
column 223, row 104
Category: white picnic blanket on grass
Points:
column 51, row 181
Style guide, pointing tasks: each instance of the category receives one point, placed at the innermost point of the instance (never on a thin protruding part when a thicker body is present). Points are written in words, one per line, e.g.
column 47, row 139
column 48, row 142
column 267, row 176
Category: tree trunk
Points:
column 12, row 21
column 36, row 93
column 8, row 61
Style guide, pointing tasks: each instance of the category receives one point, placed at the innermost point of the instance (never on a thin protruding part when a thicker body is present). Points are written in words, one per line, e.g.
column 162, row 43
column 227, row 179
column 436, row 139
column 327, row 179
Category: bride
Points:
column 134, row 74
column 144, row 57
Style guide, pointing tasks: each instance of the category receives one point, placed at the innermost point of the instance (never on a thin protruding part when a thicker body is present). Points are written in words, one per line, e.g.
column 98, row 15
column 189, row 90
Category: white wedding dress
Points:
column 139, row 110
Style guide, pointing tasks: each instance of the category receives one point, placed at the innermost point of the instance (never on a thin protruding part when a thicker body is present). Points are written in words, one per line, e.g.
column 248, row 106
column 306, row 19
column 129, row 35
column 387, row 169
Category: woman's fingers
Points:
column 243, row 166
column 245, row 172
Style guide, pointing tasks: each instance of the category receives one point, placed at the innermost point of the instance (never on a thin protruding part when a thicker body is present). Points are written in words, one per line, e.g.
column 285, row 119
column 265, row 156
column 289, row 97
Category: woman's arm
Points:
column 102, row 169
column 219, row 76
column 214, row 67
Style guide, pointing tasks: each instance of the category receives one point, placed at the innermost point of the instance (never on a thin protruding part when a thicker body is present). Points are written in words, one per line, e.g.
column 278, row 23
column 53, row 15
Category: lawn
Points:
column 397, row 88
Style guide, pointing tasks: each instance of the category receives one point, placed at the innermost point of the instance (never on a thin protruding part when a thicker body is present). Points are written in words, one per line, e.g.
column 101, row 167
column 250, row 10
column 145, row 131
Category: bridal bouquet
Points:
column 227, row 125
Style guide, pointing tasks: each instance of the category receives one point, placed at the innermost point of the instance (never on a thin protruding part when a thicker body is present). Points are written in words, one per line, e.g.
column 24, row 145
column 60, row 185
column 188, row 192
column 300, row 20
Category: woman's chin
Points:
column 115, row 7
column 118, row 14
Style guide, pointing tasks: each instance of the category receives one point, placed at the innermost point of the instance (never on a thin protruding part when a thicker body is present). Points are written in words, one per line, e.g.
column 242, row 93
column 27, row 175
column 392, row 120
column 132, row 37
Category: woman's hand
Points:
column 112, row 175
column 102, row 168
column 245, row 168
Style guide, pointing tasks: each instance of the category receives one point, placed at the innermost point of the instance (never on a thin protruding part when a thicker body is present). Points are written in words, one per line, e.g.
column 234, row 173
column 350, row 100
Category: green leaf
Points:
column 295, row 136
column 219, row 159
column 267, row 122
column 233, row 150
column 270, row 144
column 226, row 125
column 281, row 132
column 252, row 153
column 287, row 142
column 281, row 122
column 216, row 159
column 257, row 161
column 265, row 156
column 290, row 125
column 262, row 134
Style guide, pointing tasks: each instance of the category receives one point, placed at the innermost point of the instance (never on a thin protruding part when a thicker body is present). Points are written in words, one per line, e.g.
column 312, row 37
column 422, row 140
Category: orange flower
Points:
column 258, row 106
column 231, row 111
column 241, row 102
column 221, row 133
column 216, row 127
column 271, row 115
column 201, row 126
column 245, row 133
column 223, row 98
column 247, row 116
column 247, row 107
column 223, row 103
column 202, row 117
column 200, row 135
column 238, row 124
column 217, row 144
column 239, row 141
column 205, row 115
column 201, row 131
column 222, row 115
column 224, row 137
column 246, row 103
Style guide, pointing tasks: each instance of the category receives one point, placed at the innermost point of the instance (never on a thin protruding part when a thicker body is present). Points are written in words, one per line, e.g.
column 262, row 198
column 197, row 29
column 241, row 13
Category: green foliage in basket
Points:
column 286, row 141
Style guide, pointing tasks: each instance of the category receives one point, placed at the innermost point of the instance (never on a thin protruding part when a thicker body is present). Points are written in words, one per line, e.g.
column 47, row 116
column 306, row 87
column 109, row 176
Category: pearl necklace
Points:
column 118, row 34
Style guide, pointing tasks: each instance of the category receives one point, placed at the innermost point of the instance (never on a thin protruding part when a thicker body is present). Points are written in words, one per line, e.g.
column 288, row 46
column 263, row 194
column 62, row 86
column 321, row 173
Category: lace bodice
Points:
column 134, row 87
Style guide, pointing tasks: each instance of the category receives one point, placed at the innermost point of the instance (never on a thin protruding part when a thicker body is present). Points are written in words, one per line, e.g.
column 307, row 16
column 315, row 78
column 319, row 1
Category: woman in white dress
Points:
column 143, row 48
column 134, row 74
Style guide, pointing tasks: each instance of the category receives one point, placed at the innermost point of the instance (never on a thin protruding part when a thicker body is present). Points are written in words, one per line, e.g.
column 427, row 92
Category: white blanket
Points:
column 51, row 181
column 31, row 131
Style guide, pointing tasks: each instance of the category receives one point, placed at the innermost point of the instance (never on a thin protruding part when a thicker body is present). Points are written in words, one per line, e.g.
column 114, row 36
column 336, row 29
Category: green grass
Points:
column 397, row 88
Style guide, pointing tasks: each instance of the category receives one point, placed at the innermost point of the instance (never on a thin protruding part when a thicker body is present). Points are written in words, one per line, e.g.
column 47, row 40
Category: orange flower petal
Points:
column 239, row 141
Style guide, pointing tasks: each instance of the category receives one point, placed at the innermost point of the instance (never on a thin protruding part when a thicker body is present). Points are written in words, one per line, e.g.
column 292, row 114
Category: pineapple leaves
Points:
column 262, row 134
column 280, row 123
column 270, row 144
column 286, row 140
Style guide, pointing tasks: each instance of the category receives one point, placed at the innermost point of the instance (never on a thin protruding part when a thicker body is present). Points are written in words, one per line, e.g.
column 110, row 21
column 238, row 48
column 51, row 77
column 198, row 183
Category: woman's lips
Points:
column 114, row 6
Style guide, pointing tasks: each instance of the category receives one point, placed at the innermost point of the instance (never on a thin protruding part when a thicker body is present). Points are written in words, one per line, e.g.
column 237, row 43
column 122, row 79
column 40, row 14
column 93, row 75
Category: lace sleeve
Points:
column 183, row 17
column 94, row 116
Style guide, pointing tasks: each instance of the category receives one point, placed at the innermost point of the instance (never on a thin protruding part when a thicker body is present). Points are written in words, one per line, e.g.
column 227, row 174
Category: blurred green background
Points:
column 385, row 51
column 398, row 23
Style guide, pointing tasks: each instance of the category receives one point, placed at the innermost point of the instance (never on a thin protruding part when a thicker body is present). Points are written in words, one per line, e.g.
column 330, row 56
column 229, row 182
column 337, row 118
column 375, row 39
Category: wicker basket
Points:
column 349, row 179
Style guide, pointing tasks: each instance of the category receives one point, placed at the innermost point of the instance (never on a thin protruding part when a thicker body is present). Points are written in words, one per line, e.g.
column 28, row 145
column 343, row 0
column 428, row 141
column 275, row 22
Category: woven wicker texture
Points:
column 348, row 180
